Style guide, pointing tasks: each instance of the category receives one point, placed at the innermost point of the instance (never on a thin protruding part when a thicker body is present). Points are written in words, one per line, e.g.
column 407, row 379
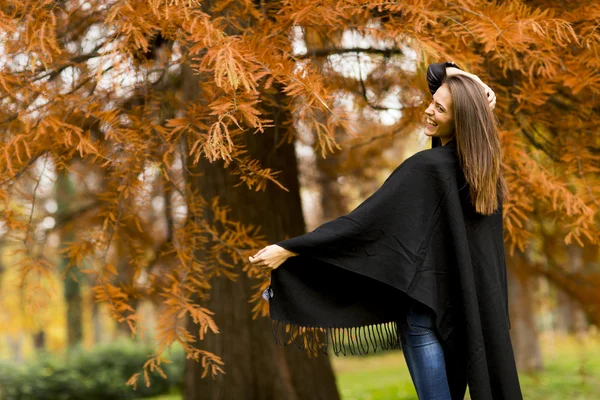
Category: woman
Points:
column 419, row 264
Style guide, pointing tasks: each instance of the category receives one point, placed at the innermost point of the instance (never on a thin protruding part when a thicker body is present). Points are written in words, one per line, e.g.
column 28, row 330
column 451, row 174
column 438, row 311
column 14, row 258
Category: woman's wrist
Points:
column 455, row 71
column 287, row 252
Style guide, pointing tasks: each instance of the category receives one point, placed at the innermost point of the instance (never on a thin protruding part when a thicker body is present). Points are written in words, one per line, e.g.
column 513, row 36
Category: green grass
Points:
column 374, row 377
column 571, row 372
column 170, row 396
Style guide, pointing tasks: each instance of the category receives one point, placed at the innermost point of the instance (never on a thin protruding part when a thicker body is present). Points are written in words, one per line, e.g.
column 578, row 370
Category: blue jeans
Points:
column 424, row 354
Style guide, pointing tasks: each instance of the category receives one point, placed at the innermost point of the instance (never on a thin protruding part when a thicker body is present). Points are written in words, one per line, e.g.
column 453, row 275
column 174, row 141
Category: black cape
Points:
column 417, row 238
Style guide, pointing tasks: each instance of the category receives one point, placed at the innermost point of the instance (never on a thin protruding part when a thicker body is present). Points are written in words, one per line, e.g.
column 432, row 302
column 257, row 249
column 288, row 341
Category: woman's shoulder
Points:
column 429, row 165
column 437, row 159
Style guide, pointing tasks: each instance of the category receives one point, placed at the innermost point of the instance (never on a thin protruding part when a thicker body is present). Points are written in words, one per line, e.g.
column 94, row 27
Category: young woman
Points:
column 419, row 264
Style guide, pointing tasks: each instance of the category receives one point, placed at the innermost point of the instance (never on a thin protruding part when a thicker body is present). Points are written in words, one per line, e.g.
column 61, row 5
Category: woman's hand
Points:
column 491, row 96
column 271, row 257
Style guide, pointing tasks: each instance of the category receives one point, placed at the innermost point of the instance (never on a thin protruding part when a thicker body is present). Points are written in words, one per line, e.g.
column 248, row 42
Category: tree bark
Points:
column 256, row 367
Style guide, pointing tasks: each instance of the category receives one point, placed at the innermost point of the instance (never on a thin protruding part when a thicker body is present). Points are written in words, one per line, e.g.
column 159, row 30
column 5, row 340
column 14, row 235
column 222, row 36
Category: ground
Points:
column 572, row 371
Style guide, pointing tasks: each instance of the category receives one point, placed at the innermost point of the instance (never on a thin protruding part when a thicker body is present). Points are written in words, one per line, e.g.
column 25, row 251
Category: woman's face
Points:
column 439, row 114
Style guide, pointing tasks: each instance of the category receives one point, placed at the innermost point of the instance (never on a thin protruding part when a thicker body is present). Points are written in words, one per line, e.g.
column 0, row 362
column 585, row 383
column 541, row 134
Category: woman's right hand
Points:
column 270, row 257
column 491, row 96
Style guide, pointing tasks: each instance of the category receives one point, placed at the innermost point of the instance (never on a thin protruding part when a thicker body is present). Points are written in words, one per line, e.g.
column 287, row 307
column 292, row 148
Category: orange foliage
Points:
column 95, row 88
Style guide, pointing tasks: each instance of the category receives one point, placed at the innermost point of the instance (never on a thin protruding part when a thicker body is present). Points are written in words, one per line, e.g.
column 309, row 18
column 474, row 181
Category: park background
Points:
column 147, row 148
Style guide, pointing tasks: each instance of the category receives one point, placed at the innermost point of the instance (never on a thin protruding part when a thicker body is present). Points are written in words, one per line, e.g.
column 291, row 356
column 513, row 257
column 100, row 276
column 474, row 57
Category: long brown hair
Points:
column 477, row 143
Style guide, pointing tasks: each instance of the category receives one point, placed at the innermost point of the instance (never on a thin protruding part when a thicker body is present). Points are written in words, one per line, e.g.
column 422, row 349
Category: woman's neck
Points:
column 445, row 141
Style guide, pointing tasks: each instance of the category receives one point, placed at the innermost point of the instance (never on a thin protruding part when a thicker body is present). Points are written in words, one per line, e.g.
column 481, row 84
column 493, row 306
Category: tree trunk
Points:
column 15, row 345
column 65, row 194
column 96, row 323
column 570, row 316
column 39, row 340
column 524, row 332
column 74, row 312
column 332, row 201
column 256, row 367
column 125, row 276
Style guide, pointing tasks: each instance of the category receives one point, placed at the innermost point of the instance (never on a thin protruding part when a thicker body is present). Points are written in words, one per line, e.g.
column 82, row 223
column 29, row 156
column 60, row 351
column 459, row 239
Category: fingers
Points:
column 267, row 259
column 491, row 96
column 264, row 269
column 259, row 252
column 266, row 265
column 258, row 262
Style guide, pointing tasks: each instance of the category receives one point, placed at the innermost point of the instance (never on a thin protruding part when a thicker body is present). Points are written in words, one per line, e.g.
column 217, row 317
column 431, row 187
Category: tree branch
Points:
column 529, row 133
column 330, row 51
column 364, row 92
column 64, row 219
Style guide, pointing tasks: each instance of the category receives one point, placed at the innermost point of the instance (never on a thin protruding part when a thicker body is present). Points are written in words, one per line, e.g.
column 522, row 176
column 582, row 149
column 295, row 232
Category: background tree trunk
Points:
column 96, row 323
column 524, row 332
column 333, row 203
column 570, row 318
column 65, row 195
column 256, row 368
column 39, row 340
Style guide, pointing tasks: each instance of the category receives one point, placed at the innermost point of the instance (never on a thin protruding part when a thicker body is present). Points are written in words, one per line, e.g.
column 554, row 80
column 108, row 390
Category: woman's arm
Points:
column 436, row 73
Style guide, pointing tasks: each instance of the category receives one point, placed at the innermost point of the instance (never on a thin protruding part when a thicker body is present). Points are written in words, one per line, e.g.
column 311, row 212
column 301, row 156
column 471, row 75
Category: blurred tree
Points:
column 65, row 196
column 524, row 330
column 111, row 83
column 570, row 317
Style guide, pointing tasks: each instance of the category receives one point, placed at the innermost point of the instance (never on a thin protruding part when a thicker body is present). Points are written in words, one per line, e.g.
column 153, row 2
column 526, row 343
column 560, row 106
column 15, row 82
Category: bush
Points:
column 100, row 373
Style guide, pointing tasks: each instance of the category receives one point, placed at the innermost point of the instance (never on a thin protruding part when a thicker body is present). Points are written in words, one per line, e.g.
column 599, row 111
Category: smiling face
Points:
column 440, row 115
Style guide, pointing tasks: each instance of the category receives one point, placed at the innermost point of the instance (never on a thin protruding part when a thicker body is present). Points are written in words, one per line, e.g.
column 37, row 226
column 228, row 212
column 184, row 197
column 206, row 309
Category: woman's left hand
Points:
column 270, row 257
column 491, row 96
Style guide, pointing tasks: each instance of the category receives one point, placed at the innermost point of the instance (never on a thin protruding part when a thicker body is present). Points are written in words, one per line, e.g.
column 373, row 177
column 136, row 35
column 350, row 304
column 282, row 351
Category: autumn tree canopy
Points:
column 95, row 88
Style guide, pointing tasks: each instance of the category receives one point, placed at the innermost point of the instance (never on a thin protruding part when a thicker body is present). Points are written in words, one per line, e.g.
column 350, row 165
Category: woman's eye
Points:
column 440, row 109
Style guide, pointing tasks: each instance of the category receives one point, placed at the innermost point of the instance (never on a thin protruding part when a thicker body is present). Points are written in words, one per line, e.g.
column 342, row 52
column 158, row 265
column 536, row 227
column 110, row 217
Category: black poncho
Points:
column 417, row 238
